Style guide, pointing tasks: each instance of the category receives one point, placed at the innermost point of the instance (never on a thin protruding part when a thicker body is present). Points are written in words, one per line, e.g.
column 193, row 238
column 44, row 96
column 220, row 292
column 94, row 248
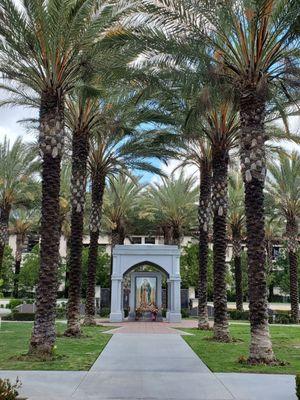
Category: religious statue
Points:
column 146, row 292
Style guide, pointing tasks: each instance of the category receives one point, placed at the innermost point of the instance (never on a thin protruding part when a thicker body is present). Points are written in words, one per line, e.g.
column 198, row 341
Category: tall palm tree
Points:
column 82, row 117
column 221, row 127
column 17, row 169
column 115, row 147
column 284, row 188
column 44, row 48
column 22, row 221
column 197, row 152
column 172, row 202
column 253, row 50
column 250, row 40
column 236, row 221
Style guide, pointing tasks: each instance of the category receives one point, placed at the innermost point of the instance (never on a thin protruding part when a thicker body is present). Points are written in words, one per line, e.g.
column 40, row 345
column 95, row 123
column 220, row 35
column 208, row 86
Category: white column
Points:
column 174, row 314
column 116, row 314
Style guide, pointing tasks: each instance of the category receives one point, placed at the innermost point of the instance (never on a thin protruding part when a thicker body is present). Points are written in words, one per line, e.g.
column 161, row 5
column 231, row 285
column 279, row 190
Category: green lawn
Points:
column 70, row 354
column 223, row 357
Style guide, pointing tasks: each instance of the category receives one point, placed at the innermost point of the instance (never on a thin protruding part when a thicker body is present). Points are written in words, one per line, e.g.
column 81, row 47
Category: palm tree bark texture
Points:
column 18, row 259
column 219, row 205
column 292, row 245
column 51, row 147
column 203, row 217
column 168, row 234
column 252, row 154
column 4, row 218
column 78, row 187
column 98, row 187
column 238, row 275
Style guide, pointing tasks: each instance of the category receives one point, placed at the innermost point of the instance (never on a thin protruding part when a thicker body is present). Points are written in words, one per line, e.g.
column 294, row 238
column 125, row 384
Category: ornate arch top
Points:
column 166, row 257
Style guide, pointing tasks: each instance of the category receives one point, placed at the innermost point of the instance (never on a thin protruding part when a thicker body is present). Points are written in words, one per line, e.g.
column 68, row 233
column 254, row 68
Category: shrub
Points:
column 281, row 317
column 16, row 316
column 9, row 391
column 238, row 315
column 13, row 303
column 104, row 312
column 298, row 386
column 185, row 313
column 61, row 311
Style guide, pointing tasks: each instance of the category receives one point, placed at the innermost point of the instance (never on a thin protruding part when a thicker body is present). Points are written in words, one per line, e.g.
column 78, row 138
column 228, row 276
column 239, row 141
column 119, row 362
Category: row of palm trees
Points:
column 213, row 73
column 250, row 51
column 168, row 207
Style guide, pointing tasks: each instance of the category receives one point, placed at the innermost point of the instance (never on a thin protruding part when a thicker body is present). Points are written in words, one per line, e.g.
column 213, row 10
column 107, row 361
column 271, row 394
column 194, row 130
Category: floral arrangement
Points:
column 152, row 308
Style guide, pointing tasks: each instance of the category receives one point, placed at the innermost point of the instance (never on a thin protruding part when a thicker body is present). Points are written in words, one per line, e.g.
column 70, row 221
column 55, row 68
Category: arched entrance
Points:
column 126, row 257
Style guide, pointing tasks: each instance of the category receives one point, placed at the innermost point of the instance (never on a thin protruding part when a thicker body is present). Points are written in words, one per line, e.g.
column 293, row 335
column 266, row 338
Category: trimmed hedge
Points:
column 238, row 315
column 298, row 386
column 16, row 316
column 280, row 317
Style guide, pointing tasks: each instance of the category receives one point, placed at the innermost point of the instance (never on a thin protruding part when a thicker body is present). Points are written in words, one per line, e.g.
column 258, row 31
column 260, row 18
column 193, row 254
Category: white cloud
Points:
column 173, row 166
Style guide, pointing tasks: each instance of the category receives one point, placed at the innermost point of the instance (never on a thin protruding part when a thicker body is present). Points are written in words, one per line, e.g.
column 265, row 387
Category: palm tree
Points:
column 82, row 113
column 253, row 50
column 115, row 147
column 284, row 188
column 221, row 127
column 197, row 151
column 250, row 40
column 236, row 220
column 121, row 202
column 22, row 221
column 44, row 48
column 17, row 169
column 172, row 202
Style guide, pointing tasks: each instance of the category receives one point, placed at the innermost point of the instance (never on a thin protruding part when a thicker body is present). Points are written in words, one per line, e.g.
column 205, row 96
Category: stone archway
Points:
column 125, row 257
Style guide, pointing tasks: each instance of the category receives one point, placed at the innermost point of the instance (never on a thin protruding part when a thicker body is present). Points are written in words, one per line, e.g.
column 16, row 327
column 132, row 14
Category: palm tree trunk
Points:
column 67, row 275
column 292, row 231
column 252, row 115
column 238, row 275
column 121, row 232
column 219, row 203
column 269, row 267
column 78, row 185
column 203, row 216
column 167, row 230
column 98, row 187
column 51, row 142
column 4, row 218
column 176, row 240
column 18, row 259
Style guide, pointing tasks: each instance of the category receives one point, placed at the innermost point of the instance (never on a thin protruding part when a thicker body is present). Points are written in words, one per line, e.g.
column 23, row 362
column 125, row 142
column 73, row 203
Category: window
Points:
column 150, row 240
column 136, row 240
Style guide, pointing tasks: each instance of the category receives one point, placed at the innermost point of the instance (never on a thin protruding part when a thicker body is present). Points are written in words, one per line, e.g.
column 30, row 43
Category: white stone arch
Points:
column 125, row 257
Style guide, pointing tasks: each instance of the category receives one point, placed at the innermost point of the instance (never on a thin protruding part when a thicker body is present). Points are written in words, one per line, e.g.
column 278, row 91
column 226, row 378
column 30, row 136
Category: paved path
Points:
column 145, row 328
column 150, row 366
